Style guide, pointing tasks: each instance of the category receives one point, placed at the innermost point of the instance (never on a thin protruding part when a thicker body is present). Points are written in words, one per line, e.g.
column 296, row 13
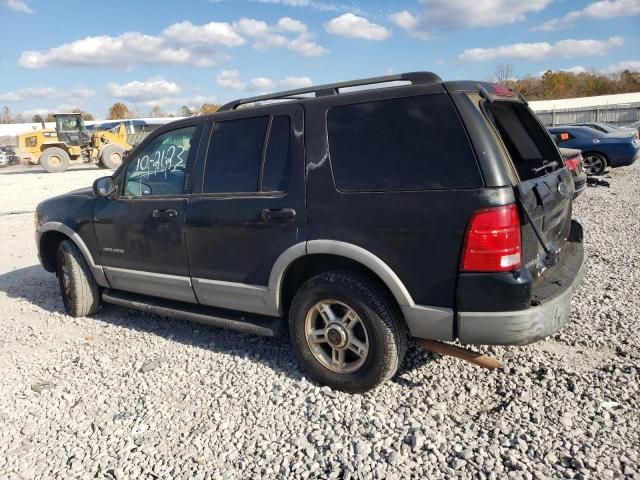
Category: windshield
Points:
column 70, row 123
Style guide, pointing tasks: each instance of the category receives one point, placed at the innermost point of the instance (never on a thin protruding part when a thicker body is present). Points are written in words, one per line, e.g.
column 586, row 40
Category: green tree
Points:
column 186, row 111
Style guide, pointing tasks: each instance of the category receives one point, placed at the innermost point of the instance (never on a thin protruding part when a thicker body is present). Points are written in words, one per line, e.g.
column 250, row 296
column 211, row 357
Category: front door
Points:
column 247, row 207
column 140, row 232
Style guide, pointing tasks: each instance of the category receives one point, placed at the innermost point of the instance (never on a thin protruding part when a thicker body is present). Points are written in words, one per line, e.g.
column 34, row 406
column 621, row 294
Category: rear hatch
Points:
column 543, row 185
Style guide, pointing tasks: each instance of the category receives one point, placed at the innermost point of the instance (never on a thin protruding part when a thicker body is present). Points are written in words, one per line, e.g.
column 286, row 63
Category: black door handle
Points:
column 165, row 216
column 284, row 214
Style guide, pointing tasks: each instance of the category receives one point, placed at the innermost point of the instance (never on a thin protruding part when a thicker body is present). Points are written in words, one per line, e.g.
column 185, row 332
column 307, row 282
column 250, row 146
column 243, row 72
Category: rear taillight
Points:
column 493, row 242
column 574, row 163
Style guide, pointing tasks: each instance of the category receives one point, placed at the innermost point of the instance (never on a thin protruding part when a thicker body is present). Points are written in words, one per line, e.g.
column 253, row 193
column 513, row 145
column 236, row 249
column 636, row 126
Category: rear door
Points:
column 543, row 185
column 248, row 206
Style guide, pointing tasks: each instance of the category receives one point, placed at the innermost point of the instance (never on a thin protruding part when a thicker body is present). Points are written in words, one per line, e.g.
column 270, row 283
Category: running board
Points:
column 248, row 323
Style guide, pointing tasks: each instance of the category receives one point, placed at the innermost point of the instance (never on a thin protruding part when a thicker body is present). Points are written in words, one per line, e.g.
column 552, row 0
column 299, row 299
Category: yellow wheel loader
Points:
column 71, row 142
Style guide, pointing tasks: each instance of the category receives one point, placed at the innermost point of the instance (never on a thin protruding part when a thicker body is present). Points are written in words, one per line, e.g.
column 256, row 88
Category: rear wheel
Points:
column 346, row 332
column 80, row 292
column 594, row 164
column 111, row 156
column 54, row 160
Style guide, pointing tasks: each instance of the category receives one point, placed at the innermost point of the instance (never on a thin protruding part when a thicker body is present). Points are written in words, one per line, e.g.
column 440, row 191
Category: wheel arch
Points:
column 49, row 237
column 301, row 262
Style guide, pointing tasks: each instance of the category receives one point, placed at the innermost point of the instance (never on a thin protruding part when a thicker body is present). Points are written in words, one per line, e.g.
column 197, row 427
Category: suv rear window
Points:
column 411, row 143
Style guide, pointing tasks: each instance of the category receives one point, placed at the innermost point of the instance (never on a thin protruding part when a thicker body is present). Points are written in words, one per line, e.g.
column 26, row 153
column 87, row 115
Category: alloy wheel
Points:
column 336, row 336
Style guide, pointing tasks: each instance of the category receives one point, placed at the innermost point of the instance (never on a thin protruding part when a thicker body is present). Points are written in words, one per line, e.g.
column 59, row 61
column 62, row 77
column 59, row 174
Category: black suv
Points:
column 357, row 214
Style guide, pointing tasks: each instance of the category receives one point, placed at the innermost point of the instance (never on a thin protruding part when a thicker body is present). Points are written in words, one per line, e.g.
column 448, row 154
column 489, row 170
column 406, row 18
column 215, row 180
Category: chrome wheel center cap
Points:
column 337, row 336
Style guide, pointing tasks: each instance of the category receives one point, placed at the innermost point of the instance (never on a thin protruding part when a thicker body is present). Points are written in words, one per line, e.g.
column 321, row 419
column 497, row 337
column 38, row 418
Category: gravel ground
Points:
column 129, row 395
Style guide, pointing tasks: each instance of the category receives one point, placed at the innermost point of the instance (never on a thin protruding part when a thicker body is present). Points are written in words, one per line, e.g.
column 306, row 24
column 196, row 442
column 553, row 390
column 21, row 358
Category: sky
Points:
column 65, row 54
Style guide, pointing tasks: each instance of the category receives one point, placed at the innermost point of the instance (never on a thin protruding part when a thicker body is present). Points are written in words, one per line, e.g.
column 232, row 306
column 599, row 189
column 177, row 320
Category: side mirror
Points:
column 104, row 187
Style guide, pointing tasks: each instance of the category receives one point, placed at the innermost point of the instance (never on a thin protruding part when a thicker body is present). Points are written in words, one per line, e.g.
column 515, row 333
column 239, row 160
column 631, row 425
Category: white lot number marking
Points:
column 169, row 160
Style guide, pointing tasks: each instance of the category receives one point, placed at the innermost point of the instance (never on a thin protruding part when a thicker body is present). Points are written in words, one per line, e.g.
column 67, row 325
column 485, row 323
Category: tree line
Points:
column 117, row 111
column 553, row 85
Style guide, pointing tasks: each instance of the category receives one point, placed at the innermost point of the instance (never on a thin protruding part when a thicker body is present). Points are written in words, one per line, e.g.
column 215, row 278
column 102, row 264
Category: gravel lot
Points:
column 129, row 395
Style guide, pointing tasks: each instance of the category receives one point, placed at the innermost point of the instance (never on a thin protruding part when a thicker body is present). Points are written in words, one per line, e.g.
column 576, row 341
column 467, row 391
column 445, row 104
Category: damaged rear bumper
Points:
column 550, row 309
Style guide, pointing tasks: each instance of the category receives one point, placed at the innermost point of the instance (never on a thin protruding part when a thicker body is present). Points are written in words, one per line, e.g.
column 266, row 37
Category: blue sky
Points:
column 57, row 55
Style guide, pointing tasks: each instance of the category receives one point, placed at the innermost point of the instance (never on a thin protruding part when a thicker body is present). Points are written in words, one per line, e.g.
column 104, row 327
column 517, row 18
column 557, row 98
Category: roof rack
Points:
column 416, row 78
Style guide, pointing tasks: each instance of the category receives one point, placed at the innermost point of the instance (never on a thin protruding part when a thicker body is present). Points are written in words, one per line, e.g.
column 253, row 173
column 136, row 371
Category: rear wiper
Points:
column 553, row 165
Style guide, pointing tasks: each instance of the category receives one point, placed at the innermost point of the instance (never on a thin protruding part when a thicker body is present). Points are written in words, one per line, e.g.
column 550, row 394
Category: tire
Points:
column 111, row 156
column 80, row 292
column 594, row 163
column 379, row 327
column 54, row 160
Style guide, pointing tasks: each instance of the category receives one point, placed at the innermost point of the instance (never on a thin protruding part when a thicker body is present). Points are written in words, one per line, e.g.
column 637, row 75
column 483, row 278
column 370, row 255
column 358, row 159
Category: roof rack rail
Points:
column 416, row 78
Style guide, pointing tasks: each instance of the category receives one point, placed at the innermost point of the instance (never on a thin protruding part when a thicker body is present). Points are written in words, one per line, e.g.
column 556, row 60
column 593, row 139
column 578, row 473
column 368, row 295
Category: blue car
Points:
column 599, row 149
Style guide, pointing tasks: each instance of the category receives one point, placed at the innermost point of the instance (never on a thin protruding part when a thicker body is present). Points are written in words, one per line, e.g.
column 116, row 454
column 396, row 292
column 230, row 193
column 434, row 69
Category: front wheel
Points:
column 346, row 332
column 594, row 164
column 111, row 156
column 54, row 160
column 80, row 292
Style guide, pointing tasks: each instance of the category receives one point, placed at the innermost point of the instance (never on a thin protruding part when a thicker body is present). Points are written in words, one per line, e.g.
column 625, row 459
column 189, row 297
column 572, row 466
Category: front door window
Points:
column 159, row 169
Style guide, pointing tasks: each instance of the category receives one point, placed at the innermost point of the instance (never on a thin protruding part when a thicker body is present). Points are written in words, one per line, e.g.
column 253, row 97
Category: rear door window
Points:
column 249, row 155
column 410, row 143
column 234, row 156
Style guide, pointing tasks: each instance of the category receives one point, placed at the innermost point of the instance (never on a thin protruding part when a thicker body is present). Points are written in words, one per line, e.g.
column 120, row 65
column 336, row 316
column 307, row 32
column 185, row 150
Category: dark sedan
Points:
column 599, row 149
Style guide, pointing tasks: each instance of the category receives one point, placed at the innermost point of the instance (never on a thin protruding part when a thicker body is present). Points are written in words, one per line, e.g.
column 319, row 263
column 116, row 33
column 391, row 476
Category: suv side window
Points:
column 249, row 155
column 277, row 162
column 159, row 169
column 411, row 143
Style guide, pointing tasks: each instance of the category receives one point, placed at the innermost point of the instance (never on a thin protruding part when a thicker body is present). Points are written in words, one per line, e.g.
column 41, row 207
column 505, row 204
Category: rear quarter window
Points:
column 410, row 143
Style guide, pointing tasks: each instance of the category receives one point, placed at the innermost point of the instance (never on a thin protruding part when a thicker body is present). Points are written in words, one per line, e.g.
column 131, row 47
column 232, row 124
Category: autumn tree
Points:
column 85, row 115
column 208, row 108
column 119, row 111
column 561, row 84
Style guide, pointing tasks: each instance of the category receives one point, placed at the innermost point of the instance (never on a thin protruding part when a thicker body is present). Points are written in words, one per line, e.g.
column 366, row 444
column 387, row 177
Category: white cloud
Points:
column 17, row 5
column 138, row 91
column 409, row 22
column 262, row 84
column 180, row 43
column 273, row 36
column 353, row 26
column 631, row 65
column 461, row 14
column 295, row 82
column 28, row 114
column 313, row 4
column 230, row 79
column 191, row 102
column 24, row 94
column 288, row 24
column 306, row 47
column 122, row 51
column 600, row 10
column 212, row 33
column 542, row 50
column 574, row 69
